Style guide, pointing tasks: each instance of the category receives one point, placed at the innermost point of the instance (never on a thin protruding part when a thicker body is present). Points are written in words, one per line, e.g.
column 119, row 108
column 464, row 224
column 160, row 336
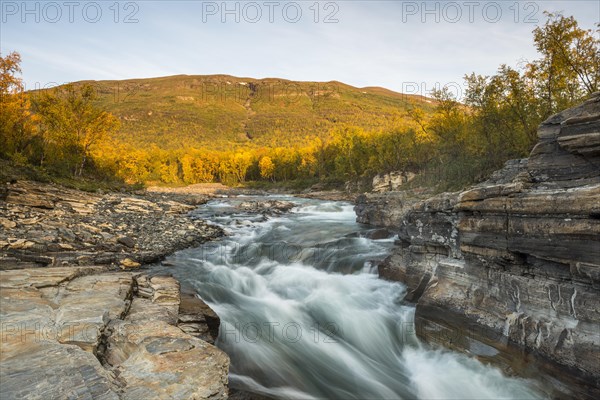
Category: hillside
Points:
column 220, row 112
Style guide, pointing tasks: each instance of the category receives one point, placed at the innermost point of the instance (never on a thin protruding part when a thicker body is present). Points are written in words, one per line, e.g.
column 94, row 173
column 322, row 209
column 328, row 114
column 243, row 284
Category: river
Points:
column 304, row 315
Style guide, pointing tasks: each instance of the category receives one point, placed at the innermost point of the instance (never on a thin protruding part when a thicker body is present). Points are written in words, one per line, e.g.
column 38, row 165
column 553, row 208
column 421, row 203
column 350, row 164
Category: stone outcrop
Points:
column 49, row 225
column 87, row 333
column 509, row 270
column 197, row 318
column 391, row 182
column 386, row 209
column 89, row 324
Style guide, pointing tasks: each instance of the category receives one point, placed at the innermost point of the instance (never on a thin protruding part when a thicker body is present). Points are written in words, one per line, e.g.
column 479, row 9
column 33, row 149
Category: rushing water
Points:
column 303, row 314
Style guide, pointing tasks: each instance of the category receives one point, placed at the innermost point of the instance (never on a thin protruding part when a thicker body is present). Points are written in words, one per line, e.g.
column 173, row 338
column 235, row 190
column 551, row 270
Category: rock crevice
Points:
column 85, row 332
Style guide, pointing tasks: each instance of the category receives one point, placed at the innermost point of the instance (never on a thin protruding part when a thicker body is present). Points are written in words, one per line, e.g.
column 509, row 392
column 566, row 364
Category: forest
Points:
column 73, row 131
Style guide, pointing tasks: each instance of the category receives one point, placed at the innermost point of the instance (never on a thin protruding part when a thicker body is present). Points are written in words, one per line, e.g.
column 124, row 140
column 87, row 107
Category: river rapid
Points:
column 304, row 315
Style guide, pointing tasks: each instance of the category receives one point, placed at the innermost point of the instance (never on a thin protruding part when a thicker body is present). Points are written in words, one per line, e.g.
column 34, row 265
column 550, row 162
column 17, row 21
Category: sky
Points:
column 406, row 46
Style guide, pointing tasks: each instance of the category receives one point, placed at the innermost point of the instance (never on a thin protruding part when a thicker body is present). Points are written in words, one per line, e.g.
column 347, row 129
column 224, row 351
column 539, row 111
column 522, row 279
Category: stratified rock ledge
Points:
column 509, row 270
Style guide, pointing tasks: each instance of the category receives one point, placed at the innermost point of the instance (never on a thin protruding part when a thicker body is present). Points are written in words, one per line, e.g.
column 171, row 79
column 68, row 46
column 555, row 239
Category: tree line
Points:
column 64, row 131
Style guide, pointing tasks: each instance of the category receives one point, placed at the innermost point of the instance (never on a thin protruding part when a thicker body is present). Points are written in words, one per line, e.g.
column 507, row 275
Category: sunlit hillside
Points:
column 220, row 111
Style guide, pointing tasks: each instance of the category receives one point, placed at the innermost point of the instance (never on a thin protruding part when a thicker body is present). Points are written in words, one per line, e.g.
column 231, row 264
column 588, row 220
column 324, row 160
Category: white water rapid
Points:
column 304, row 315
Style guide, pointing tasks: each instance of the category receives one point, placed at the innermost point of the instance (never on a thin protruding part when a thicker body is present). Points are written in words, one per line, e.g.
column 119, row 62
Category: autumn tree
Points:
column 266, row 167
column 569, row 68
column 69, row 116
column 16, row 121
column 195, row 167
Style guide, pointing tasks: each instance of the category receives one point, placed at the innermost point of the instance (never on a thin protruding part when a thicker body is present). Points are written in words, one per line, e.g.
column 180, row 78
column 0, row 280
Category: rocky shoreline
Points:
column 509, row 270
column 80, row 319
column 49, row 225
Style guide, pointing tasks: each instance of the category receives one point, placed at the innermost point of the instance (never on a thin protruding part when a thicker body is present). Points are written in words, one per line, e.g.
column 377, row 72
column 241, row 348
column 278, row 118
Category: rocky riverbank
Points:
column 509, row 270
column 89, row 333
column 80, row 320
column 49, row 225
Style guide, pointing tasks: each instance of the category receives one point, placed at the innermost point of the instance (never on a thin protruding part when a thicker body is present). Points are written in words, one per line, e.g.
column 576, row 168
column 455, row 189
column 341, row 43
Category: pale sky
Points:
column 406, row 46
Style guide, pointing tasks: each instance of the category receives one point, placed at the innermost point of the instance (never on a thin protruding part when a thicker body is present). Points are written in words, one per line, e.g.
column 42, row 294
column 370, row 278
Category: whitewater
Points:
column 305, row 316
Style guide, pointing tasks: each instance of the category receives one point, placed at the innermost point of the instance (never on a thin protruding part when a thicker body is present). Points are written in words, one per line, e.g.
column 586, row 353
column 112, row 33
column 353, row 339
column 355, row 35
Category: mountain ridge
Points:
column 222, row 112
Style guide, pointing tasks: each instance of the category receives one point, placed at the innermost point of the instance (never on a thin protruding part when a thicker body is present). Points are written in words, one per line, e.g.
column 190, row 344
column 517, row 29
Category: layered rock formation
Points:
column 73, row 329
column 84, row 333
column 386, row 209
column 49, row 225
column 509, row 270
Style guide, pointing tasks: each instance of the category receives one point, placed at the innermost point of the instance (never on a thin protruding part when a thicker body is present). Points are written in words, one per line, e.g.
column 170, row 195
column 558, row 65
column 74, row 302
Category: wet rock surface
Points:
column 197, row 318
column 91, row 333
column 48, row 225
column 509, row 270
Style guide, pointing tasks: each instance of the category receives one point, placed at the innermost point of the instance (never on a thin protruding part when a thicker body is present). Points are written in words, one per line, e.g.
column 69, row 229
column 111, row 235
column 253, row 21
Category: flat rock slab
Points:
column 49, row 370
column 173, row 365
column 82, row 333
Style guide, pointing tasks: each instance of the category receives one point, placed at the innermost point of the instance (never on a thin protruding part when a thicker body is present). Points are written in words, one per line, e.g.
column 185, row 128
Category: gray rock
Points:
column 48, row 221
column 385, row 209
column 126, row 241
column 392, row 181
column 509, row 270
column 266, row 206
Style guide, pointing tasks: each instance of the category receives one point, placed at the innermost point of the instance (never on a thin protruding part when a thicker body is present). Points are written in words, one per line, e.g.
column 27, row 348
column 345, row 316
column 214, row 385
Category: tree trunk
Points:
column 83, row 160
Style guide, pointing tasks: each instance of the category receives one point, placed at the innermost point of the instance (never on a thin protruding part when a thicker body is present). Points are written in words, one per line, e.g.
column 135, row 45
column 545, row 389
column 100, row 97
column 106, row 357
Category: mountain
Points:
column 222, row 112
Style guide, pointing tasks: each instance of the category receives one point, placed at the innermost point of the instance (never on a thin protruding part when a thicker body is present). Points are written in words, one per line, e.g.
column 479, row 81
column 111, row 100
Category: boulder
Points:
column 385, row 209
column 266, row 206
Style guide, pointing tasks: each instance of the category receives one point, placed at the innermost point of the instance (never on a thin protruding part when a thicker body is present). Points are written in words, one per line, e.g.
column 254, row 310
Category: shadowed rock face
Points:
column 385, row 209
column 509, row 270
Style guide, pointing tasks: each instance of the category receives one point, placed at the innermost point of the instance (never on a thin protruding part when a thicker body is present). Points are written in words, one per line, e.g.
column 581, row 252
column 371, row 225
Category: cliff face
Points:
column 509, row 270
